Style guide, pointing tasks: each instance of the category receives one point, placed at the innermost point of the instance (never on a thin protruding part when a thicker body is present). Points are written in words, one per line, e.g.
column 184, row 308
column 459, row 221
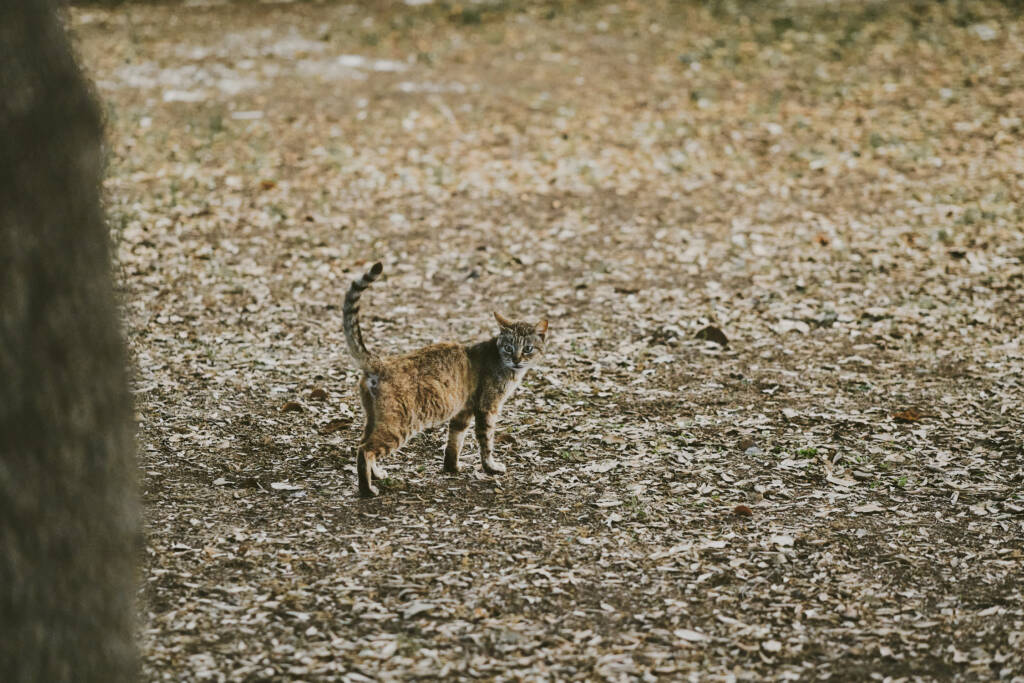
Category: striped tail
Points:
column 353, row 335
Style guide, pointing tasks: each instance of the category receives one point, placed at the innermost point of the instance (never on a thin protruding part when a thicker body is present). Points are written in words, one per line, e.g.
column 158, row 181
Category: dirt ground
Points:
column 834, row 493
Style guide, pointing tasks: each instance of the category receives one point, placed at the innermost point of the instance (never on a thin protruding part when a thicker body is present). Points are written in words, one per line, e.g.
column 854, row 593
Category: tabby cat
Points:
column 446, row 382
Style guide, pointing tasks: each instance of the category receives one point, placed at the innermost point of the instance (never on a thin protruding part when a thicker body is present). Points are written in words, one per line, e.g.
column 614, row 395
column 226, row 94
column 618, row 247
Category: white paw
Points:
column 493, row 467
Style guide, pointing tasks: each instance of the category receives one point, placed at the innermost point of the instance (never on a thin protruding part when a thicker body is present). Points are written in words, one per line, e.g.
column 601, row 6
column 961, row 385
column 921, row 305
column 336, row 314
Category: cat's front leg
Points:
column 485, row 436
column 365, row 462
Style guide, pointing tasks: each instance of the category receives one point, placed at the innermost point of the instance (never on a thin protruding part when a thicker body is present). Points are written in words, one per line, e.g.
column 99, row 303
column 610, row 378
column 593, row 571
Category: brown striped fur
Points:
column 446, row 382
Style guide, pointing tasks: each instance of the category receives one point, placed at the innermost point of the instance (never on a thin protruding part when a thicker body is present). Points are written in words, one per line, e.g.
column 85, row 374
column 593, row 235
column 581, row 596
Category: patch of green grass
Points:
column 569, row 456
column 470, row 16
column 636, row 507
column 391, row 483
column 809, row 452
column 968, row 217
column 782, row 24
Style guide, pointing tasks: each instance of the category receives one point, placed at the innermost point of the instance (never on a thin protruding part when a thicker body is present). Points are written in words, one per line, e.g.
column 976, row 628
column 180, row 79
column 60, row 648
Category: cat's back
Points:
column 441, row 360
column 431, row 384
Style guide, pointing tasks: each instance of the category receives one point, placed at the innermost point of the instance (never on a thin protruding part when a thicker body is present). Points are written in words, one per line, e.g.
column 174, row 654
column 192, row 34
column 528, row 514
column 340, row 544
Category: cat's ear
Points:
column 541, row 328
column 504, row 322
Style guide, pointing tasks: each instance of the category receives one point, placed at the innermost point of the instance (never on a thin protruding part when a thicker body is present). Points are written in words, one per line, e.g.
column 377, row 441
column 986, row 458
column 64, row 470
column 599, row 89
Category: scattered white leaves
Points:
column 784, row 326
column 985, row 32
column 820, row 486
column 689, row 635
column 416, row 608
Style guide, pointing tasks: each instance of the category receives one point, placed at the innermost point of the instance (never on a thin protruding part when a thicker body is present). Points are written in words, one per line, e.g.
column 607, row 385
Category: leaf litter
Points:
column 835, row 185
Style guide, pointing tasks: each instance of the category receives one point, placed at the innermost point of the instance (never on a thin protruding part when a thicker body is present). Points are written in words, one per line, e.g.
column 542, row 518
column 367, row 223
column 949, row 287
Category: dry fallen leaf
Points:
column 908, row 415
column 336, row 425
column 507, row 439
column 712, row 334
column 743, row 511
column 416, row 608
column 690, row 635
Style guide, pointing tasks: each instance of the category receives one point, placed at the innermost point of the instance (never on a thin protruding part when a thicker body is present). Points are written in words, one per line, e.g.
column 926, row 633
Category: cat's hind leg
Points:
column 376, row 471
column 485, row 436
column 456, row 437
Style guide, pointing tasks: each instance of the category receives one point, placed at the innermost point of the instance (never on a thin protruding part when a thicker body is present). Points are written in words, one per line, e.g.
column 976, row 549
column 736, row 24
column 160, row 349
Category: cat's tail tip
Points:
column 350, row 311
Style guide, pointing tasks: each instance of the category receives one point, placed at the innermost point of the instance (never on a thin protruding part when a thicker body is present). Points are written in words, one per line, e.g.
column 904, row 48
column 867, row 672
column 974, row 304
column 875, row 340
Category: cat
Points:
column 446, row 382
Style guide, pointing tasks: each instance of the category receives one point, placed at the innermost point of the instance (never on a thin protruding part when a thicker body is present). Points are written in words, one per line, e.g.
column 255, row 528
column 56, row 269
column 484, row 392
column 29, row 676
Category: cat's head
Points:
column 520, row 344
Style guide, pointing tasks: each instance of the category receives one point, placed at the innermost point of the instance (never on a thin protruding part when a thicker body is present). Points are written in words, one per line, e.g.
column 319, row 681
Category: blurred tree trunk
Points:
column 68, row 509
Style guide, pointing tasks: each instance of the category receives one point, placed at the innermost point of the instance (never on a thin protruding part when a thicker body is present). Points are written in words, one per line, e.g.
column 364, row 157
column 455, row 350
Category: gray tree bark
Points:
column 68, row 509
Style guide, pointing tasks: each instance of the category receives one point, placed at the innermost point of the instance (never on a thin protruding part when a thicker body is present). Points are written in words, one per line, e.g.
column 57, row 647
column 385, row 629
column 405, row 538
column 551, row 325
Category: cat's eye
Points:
column 528, row 348
column 507, row 348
